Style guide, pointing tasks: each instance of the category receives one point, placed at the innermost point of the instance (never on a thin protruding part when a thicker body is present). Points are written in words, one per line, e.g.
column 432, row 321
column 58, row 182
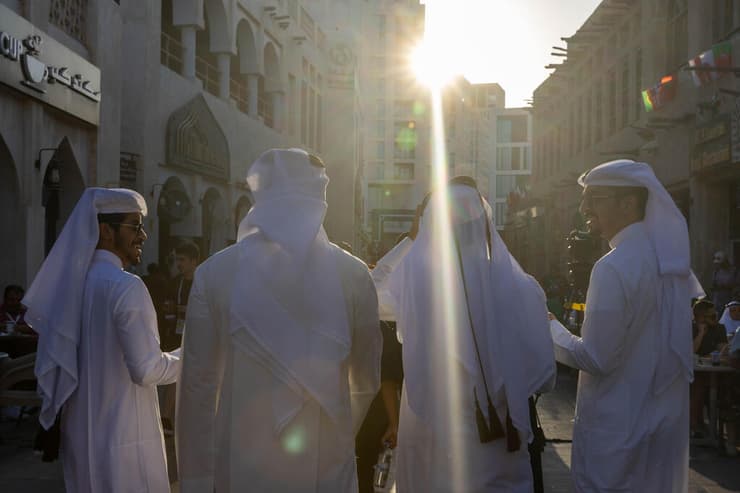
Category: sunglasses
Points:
column 138, row 227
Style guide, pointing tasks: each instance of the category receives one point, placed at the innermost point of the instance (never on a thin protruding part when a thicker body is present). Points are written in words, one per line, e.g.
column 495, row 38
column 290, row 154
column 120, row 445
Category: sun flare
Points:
column 432, row 65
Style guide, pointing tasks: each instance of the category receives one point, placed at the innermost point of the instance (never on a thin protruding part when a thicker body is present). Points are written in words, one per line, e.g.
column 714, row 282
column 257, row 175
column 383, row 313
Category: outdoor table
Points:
column 704, row 365
column 17, row 345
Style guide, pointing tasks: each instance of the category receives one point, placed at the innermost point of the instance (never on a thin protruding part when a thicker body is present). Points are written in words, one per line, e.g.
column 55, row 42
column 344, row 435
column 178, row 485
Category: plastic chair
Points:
column 12, row 372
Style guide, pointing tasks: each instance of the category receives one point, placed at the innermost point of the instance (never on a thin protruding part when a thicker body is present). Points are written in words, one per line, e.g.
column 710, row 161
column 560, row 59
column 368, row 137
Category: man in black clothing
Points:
column 381, row 423
column 187, row 256
column 708, row 336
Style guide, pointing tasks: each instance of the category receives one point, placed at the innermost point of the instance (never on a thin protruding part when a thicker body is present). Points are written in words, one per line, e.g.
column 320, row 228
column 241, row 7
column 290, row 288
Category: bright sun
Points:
column 432, row 64
column 437, row 59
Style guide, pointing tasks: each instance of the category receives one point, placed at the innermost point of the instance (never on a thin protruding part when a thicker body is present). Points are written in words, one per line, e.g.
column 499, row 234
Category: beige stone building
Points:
column 173, row 98
column 591, row 110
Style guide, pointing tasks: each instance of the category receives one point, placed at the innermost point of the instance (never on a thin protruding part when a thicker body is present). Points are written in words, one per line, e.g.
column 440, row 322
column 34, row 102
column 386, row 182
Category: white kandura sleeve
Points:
column 600, row 348
column 381, row 275
column 197, row 393
column 136, row 327
column 367, row 348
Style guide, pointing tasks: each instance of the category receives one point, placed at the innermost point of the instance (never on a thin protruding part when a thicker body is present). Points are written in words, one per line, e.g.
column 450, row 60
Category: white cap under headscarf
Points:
column 288, row 295
column 507, row 307
column 731, row 325
column 668, row 232
column 54, row 299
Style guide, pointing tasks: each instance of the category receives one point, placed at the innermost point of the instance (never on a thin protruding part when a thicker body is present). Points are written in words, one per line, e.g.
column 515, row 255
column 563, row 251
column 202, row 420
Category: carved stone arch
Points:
column 272, row 68
column 174, row 208
column 221, row 39
column 13, row 250
column 242, row 207
column 62, row 188
column 215, row 222
column 196, row 142
column 246, row 47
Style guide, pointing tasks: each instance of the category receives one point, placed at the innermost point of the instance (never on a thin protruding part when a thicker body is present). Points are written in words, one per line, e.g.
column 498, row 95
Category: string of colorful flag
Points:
column 718, row 56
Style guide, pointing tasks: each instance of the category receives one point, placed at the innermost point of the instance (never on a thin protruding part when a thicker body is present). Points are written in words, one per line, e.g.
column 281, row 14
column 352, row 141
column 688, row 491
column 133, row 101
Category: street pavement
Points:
column 711, row 472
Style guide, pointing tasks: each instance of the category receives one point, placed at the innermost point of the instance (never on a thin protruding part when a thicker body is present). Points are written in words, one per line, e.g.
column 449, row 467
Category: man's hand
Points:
column 703, row 329
column 391, row 436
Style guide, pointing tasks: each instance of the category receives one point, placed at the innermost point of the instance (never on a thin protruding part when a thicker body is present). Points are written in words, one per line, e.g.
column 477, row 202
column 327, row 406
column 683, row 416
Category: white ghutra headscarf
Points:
column 669, row 235
column 54, row 299
column 507, row 307
column 288, row 295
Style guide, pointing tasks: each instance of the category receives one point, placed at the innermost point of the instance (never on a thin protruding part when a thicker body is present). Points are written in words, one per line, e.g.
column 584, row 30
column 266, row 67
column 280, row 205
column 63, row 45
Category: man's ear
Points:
column 106, row 232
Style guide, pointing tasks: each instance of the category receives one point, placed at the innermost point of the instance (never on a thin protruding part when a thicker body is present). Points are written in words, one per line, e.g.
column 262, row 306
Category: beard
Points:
column 129, row 249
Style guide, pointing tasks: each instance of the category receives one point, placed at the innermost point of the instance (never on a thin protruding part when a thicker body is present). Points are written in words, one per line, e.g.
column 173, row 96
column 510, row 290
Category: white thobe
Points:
column 226, row 434
column 110, row 430
column 441, row 453
column 625, row 438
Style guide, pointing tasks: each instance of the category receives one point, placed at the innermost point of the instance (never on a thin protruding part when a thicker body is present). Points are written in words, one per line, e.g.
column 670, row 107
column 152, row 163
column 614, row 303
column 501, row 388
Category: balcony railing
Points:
column 239, row 93
column 265, row 109
column 208, row 73
column 171, row 53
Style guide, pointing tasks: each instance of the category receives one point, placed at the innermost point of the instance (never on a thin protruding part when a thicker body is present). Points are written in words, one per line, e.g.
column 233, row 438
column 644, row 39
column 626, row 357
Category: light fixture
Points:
column 37, row 162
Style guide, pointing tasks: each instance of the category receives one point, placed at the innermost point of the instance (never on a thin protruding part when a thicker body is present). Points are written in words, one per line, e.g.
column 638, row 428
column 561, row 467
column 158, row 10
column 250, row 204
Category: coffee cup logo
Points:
column 34, row 70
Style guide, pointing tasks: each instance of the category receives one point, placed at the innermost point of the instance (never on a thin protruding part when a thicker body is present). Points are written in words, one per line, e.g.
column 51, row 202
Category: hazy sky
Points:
column 504, row 41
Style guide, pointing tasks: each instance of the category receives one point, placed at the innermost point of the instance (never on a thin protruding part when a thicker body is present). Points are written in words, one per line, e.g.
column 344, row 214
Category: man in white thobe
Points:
column 99, row 360
column 282, row 347
column 473, row 325
column 631, row 430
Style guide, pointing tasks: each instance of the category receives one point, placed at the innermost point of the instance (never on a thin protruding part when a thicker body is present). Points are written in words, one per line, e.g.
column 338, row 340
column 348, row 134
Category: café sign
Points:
column 711, row 144
column 39, row 66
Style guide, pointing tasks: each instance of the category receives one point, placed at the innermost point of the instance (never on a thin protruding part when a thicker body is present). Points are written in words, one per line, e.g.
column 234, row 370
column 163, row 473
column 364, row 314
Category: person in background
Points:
column 380, row 427
column 156, row 283
column 731, row 318
column 724, row 281
column 708, row 336
column 98, row 360
column 12, row 312
column 187, row 256
column 282, row 347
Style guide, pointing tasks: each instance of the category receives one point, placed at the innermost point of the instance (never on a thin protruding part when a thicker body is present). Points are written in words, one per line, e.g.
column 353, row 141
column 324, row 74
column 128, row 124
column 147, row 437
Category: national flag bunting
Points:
column 656, row 97
column 719, row 56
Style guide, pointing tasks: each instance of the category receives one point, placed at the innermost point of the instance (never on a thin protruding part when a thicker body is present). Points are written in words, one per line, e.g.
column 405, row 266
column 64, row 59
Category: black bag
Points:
column 537, row 446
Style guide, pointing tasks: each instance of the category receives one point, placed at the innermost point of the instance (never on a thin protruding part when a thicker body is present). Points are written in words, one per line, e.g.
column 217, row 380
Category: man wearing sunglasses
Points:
column 631, row 428
column 99, row 360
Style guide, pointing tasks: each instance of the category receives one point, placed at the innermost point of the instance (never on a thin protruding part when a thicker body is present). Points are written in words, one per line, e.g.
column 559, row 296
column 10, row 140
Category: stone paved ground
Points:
column 21, row 471
column 710, row 472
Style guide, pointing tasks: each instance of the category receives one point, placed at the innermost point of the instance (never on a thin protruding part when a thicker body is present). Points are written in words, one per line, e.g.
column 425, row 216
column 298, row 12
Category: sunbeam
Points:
column 444, row 299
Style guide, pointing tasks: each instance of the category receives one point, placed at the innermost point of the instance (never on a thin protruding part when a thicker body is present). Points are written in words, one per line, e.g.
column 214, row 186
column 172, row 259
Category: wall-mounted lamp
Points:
column 153, row 189
column 37, row 163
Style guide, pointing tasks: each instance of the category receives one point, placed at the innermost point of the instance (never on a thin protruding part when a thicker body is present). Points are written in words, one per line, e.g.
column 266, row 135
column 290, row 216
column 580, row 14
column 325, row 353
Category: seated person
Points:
column 707, row 333
column 731, row 318
column 12, row 312
column 708, row 336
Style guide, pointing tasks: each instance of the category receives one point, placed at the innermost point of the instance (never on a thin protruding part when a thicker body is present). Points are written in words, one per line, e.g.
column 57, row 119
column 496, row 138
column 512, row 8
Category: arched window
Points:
column 243, row 63
column 171, row 48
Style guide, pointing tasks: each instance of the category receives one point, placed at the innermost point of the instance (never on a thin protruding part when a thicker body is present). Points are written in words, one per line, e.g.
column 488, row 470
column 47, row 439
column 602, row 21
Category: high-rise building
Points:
column 395, row 121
